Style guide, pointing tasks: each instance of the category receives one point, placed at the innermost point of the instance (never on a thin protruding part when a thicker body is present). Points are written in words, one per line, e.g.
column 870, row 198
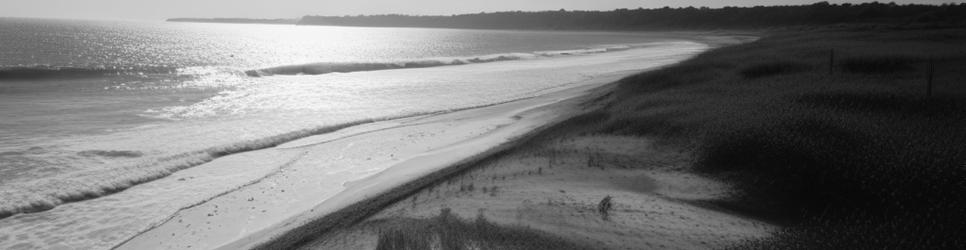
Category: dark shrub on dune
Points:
column 772, row 68
column 879, row 64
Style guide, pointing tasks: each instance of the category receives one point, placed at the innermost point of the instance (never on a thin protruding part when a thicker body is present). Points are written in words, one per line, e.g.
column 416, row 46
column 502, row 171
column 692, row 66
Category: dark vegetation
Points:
column 853, row 153
column 880, row 64
column 448, row 231
column 821, row 13
column 772, row 68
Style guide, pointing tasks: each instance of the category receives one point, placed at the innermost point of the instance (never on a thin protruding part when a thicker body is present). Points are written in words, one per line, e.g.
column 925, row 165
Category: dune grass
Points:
column 852, row 152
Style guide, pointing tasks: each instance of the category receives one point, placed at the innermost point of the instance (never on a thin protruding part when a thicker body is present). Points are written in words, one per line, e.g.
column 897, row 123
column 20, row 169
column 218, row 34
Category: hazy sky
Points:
column 161, row 9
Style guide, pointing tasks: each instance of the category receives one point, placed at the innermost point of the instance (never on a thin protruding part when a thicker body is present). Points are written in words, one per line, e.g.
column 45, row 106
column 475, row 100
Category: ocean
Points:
column 91, row 108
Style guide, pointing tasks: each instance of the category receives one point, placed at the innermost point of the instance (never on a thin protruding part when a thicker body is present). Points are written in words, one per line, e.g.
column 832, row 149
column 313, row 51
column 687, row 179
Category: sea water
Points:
column 90, row 108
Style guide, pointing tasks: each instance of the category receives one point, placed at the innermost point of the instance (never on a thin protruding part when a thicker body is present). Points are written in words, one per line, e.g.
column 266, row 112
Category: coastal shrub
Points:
column 662, row 124
column 881, row 64
column 772, row 68
column 677, row 76
column 887, row 102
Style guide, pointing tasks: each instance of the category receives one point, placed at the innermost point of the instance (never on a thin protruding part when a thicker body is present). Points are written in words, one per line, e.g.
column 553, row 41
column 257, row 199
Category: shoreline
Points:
column 362, row 209
column 668, row 188
column 391, row 205
column 508, row 120
column 115, row 218
column 350, row 215
column 142, row 160
column 229, row 226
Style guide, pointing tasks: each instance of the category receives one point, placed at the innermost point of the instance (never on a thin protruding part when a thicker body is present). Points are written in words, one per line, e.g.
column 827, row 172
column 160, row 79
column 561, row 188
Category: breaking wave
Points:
column 44, row 194
column 326, row 68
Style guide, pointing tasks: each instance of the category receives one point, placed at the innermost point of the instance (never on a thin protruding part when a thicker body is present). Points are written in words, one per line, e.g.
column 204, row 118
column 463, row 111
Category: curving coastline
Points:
column 222, row 163
column 502, row 125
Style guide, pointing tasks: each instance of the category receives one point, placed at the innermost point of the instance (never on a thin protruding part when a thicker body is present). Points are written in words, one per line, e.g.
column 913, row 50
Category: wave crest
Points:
column 326, row 68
